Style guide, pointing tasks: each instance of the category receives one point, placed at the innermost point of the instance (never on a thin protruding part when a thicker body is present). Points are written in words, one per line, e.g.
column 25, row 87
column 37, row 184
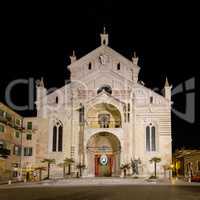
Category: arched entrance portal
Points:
column 103, row 154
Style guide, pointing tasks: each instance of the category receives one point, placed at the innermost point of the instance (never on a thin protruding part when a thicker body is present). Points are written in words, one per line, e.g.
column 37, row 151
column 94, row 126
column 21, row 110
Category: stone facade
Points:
column 104, row 110
column 102, row 119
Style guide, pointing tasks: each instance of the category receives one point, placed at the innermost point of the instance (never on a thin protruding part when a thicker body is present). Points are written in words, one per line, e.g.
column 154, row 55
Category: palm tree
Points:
column 40, row 169
column 155, row 160
column 125, row 167
column 63, row 166
column 49, row 162
column 80, row 167
column 68, row 162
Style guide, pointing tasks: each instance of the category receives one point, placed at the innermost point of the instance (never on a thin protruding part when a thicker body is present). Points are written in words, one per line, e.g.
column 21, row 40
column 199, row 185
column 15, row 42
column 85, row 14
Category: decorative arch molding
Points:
column 151, row 134
column 106, row 99
column 106, row 133
column 55, row 135
column 117, row 133
column 101, row 143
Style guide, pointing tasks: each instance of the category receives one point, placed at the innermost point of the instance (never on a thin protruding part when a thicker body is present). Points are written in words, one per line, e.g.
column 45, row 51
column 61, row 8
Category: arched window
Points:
column 147, row 138
column 57, row 143
column 151, row 99
column 54, row 138
column 81, row 114
column 60, row 138
column 153, row 138
column 150, row 138
column 118, row 66
column 106, row 88
column 57, row 100
column 90, row 66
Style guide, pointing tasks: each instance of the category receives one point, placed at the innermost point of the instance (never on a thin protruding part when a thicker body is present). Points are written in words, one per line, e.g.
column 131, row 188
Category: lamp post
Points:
column 171, row 171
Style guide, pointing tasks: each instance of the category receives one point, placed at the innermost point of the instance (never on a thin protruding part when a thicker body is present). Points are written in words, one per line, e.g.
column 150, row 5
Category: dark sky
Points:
column 37, row 41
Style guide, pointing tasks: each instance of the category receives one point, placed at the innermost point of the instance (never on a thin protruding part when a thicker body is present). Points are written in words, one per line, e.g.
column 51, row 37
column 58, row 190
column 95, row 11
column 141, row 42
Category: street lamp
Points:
column 171, row 167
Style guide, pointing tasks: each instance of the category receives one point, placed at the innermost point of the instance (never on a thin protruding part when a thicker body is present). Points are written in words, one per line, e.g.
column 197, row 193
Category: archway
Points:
column 104, row 115
column 103, row 155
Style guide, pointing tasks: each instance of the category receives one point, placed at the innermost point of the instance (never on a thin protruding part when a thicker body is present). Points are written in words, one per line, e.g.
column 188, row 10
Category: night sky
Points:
column 37, row 42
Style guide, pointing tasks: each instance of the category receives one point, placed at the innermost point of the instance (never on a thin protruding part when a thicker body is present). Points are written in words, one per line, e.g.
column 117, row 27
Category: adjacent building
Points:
column 187, row 162
column 16, row 144
column 10, row 141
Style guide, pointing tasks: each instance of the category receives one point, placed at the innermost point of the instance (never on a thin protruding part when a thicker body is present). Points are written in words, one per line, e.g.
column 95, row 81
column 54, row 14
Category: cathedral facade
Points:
column 103, row 118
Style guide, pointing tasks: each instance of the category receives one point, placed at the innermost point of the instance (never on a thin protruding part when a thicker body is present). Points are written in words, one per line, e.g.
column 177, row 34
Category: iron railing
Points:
column 108, row 124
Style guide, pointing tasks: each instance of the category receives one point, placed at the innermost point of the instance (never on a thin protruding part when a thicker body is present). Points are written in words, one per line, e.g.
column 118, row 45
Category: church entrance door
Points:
column 103, row 165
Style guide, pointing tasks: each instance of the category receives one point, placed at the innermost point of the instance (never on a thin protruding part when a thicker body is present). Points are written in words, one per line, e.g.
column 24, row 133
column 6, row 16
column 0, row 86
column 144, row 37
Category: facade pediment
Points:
column 103, row 59
column 102, row 50
column 97, row 79
column 103, row 114
column 104, row 97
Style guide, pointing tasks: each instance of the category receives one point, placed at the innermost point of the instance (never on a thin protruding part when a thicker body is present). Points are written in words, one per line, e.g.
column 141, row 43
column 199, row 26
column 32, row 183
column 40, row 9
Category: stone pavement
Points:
column 99, row 182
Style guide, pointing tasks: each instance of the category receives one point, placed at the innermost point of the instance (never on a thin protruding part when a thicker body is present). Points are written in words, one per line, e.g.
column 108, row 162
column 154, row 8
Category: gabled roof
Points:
column 104, row 95
column 97, row 74
column 100, row 50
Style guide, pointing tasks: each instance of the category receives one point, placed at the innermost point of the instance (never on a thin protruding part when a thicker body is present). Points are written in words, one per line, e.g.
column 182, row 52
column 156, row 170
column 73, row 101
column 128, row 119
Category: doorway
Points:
column 103, row 169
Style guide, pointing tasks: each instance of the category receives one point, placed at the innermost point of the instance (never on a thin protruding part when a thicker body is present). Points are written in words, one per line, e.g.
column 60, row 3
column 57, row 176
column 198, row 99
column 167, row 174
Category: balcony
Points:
column 10, row 122
column 107, row 124
column 4, row 153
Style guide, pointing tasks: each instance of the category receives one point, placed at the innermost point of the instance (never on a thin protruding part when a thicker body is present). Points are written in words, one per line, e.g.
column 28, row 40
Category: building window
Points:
column 124, row 117
column 150, row 138
column 54, row 138
column 17, row 134
column 28, row 151
column 1, row 113
column 129, row 107
column 106, row 88
column 151, row 99
column 29, row 125
column 29, row 137
column 90, row 66
column 198, row 165
column 118, row 66
column 57, row 144
column 17, row 150
column 9, row 117
column 16, row 165
column 153, row 138
column 147, row 138
column 104, row 120
column 2, row 128
column 1, row 145
column 60, row 138
column 18, row 122
column 81, row 114
column 56, row 100
column 14, row 174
